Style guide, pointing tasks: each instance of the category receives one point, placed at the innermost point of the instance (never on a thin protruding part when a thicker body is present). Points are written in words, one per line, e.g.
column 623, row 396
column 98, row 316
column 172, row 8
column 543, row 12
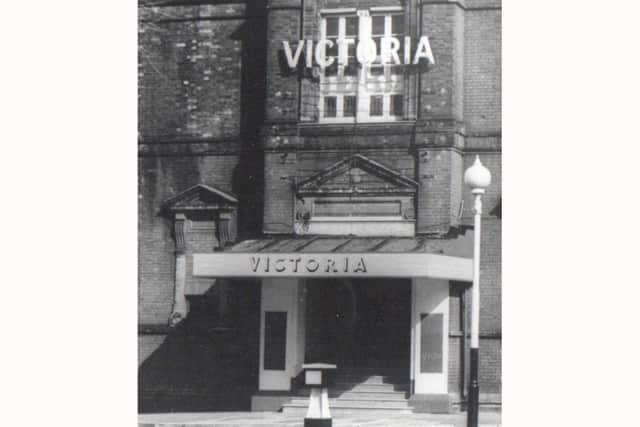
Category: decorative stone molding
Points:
column 224, row 218
column 178, row 231
column 195, row 203
column 387, row 181
column 356, row 196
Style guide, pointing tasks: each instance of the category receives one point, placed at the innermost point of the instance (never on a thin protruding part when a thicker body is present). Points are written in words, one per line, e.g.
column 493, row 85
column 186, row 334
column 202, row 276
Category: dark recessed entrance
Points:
column 359, row 322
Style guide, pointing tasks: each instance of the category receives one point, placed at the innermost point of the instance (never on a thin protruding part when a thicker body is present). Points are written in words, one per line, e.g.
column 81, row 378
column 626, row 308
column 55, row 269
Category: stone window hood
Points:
column 202, row 209
column 201, row 201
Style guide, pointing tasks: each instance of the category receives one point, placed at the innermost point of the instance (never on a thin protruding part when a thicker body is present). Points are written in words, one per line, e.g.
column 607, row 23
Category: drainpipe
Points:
column 463, row 344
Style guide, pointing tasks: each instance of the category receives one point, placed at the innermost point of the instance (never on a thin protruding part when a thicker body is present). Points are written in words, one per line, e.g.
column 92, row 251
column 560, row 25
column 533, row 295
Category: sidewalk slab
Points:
column 274, row 419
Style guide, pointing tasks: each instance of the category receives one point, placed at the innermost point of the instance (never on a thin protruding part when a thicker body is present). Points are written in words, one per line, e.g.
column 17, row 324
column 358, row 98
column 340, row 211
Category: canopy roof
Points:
column 461, row 246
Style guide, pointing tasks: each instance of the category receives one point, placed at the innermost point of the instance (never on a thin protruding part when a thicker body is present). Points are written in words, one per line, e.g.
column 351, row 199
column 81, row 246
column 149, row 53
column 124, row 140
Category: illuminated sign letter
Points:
column 279, row 265
column 321, row 56
column 407, row 50
column 292, row 60
column 424, row 51
column 343, row 50
column 366, row 51
column 309, row 53
column 390, row 47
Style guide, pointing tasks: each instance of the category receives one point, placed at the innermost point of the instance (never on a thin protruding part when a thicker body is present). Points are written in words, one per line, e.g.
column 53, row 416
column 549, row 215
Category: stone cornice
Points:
column 461, row 4
column 195, row 147
column 284, row 5
column 332, row 129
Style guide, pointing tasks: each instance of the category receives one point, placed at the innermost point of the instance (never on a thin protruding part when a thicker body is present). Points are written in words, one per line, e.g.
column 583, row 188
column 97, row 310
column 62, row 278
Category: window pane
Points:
column 376, row 106
column 397, row 105
column 332, row 50
column 352, row 68
column 378, row 42
column 329, row 106
column 331, row 70
column 349, row 106
column 397, row 24
column 332, row 26
column 397, row 70
column 352, row 26
column 351, row 50
column 377, row 70
column 377, row 25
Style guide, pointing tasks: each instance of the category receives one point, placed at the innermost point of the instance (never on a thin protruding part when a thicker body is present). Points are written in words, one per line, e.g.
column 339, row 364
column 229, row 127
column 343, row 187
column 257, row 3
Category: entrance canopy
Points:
column 340, row 257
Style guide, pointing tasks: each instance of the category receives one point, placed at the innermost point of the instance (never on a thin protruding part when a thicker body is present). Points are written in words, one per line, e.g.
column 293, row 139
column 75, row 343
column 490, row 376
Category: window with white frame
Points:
column 352, row 92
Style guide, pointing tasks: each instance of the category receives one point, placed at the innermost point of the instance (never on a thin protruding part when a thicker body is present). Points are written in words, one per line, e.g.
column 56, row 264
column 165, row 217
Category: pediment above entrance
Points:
column 357, row 174
column 201, row 197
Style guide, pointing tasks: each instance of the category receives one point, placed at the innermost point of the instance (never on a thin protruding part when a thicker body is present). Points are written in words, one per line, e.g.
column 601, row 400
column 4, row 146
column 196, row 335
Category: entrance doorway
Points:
column 362, row 323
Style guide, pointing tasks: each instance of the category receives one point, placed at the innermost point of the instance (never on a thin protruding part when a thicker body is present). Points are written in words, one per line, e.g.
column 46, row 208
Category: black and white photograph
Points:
column 316, row 179
column 289, row 213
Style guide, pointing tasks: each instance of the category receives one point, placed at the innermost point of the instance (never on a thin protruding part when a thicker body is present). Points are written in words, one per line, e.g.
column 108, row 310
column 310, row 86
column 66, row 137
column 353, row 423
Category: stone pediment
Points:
column 201, row 197
column 357, row 174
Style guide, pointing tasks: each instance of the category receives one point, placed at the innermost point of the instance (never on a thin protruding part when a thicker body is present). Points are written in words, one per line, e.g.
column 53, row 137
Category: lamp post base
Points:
column 317, row 422
column 318, row 414
column 474, row 390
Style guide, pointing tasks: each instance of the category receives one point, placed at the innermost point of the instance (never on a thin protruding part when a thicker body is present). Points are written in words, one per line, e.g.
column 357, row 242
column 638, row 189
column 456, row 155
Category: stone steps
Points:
column 349, row 407
column 371, row 379
column 372, row 395
column 355, row 391
column 378, row 388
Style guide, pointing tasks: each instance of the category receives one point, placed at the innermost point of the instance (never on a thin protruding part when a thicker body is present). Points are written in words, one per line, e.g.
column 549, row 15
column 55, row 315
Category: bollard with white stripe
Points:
column 317, row 376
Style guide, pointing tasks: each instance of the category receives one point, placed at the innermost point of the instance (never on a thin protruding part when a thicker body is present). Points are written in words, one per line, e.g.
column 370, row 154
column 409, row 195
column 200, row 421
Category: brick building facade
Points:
column 241, row 153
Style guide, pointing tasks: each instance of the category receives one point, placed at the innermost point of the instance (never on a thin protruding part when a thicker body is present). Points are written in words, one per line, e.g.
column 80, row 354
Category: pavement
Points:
column 271, row 419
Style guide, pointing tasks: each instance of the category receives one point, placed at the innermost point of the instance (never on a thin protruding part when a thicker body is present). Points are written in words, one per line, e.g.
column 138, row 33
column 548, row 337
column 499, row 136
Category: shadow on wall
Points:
column 248, row 175
column 206, row 363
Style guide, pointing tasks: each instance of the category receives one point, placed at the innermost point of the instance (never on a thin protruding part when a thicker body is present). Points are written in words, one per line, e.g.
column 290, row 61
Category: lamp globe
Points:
column 477, row 176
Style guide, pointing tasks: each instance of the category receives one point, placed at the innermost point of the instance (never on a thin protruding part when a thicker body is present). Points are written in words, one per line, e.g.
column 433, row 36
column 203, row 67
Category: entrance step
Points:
column 361, row 390
column 372, row 395
column 376, row 388
column 369, row 379
column 339, row 389
column 357, row 393
column 300, row 407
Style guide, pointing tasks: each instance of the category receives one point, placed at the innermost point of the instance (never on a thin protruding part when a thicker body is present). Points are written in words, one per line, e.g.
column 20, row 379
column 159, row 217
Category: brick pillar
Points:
column 283, row 23
column 279, row 178
column 442, row 86
column 440, row 191
column 440, row 127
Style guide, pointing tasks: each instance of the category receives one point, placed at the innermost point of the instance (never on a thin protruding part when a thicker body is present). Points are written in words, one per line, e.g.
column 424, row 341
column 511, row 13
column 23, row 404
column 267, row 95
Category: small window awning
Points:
column 329, row 256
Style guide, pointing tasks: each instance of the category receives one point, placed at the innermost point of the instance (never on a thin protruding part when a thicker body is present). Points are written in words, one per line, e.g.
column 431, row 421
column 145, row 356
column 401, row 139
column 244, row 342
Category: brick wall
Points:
column 441, row 85
column 197, row 68
column 439, row 192
column 283, row 21
column 279, row 178
column 189, row 71
column 159, row 179
column 490, row 365
column 482, row 71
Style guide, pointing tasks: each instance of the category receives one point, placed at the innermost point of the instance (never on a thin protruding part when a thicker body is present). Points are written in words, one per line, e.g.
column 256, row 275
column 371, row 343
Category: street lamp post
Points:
column 478, row 178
